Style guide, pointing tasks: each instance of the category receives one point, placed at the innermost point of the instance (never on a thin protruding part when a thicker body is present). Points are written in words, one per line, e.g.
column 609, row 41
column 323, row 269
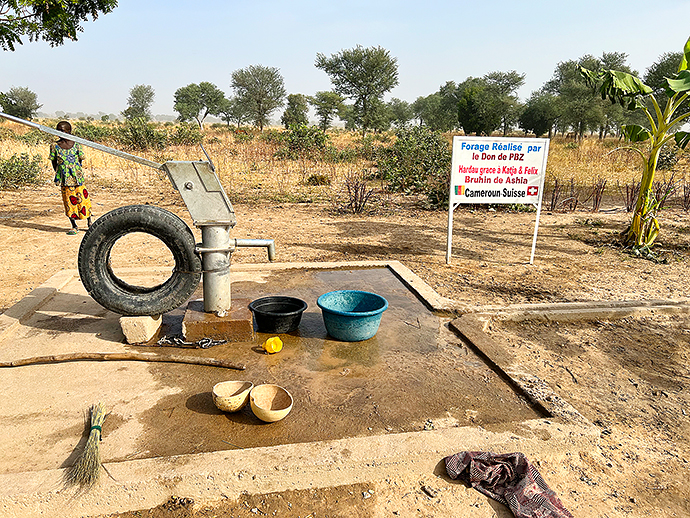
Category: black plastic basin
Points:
column 277, row 314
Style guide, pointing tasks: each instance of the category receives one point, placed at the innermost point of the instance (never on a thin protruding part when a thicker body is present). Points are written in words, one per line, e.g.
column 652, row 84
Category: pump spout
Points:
column 269, row 244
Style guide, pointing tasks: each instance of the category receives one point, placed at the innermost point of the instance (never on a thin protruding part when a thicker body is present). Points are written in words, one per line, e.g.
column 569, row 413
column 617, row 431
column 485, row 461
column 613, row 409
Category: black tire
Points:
column 116, row 295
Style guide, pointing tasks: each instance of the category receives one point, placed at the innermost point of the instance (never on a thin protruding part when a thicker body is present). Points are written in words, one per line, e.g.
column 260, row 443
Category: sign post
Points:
column 497, row 170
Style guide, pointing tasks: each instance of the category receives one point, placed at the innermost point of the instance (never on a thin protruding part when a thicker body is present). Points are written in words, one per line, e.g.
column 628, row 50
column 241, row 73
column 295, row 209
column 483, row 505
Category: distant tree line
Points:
column 565, row 104
column 362, row 76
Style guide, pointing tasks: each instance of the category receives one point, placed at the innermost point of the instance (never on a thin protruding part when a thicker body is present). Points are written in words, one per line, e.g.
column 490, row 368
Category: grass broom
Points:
column 87, row 470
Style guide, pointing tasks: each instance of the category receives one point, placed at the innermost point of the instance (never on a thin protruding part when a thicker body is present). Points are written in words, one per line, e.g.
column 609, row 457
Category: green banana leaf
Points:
column 681, row 83
column 590, row 77
column 622, row 87
column 619, row 87
column 686, row 57
column 682, row 139
column 635, row 133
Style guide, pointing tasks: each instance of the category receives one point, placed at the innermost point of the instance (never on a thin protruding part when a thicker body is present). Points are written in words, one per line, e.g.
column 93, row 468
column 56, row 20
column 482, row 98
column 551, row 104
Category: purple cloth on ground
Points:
column 509, row 479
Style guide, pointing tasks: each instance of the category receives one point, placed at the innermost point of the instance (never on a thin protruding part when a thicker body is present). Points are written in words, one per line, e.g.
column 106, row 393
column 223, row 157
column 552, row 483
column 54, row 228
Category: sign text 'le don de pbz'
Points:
column 497, row 170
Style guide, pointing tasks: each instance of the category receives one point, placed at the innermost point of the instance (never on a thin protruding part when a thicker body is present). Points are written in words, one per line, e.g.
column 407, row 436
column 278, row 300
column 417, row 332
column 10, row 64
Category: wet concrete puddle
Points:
column 414, row 374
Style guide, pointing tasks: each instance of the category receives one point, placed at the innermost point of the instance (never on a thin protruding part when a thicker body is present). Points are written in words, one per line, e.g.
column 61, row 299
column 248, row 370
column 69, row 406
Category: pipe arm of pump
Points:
column 94, row 145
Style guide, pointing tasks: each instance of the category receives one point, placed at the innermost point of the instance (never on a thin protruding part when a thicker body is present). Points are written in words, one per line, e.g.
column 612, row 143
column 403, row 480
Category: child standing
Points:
column 66, row 157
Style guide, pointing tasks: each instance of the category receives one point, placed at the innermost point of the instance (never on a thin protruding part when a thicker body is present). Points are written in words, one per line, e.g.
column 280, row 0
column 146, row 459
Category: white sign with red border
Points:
column 497, row 170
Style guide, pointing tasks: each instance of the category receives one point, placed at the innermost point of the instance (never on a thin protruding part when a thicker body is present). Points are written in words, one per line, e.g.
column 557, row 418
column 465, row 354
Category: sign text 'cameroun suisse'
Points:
column 498, row 170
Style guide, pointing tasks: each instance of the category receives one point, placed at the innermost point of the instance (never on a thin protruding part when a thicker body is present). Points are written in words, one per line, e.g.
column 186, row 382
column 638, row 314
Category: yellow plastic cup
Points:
column 273, row 345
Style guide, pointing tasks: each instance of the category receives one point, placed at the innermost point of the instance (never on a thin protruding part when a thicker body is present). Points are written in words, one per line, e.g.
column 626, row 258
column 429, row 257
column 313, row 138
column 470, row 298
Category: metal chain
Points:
column 178, row 341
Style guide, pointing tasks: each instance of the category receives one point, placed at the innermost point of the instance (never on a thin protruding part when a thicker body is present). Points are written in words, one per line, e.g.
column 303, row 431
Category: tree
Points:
column 421, row 109
column 478, row 107
column 363, row 75
column 198, row 101
column 655, row 76
column 574, row 98
column 504, row 85
column 665, row 66
column 438, row 111
column 446, row 116
column 327, row 106
column 348, row 115
column 540, row 114
column 629, row 91
column 296, row 111
column 429, row 112
column 139, row 102
column 233, row 110
column 581, row 111
column 484, row 104
column 379, row 117
column 261, row 89
column 49, row 20
column 400, row 112
column 20, row 102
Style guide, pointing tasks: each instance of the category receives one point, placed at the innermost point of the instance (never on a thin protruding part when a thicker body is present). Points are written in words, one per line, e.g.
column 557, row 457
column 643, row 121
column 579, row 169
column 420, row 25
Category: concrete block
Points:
column 236, row 326
column 138, row 330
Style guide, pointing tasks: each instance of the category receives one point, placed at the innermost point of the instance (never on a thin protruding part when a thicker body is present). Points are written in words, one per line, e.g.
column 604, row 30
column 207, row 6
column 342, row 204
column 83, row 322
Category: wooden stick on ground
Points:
column 137, row 357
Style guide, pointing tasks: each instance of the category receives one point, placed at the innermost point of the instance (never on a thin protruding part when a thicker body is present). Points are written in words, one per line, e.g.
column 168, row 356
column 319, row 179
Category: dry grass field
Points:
column 250, row 168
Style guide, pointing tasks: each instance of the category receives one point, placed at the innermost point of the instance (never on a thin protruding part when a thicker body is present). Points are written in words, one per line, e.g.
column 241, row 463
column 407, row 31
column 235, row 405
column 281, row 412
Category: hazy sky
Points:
column 173, row 43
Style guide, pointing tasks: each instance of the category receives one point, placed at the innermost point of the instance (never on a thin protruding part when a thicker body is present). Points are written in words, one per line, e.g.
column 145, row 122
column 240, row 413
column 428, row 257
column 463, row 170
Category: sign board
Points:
column 497, row 170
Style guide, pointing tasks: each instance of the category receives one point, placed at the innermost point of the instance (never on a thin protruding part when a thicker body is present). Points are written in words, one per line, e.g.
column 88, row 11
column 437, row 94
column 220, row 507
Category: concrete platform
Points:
column 414, row 392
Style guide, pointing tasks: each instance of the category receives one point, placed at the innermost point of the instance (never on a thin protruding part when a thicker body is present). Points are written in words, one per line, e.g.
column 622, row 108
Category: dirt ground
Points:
column 629, row 377
column 491, row 249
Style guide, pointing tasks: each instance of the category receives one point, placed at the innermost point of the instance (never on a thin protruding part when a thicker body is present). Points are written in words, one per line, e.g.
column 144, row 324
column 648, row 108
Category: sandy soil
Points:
column 629, row 377
column 574, row 260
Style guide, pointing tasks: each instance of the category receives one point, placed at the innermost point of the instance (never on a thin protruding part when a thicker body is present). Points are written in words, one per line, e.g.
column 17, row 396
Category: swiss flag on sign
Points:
column 532, row 190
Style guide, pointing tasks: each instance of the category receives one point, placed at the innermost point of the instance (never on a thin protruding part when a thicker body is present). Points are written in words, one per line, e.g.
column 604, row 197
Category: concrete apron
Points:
column 44, row 399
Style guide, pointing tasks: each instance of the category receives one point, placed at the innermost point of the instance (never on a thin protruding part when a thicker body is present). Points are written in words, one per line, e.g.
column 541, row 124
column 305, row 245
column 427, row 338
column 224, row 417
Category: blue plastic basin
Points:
column 351, row 315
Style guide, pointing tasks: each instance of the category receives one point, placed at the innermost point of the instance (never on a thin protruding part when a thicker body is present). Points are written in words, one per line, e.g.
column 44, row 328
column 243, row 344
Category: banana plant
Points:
column 633, row 94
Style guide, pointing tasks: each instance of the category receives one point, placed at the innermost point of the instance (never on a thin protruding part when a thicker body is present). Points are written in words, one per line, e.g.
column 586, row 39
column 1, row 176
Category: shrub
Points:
column 6, row 133
column 334, row 155
column 358, row 191
column 272, row 136
column 318, row 179
column 302, row 141
column 366, row 147
column 34, row 138
column 93, row 132
column 520, row 207
column 185, row 135
column 19, row 170
column 418, row 163
column 141, row 135
column 242, row 135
